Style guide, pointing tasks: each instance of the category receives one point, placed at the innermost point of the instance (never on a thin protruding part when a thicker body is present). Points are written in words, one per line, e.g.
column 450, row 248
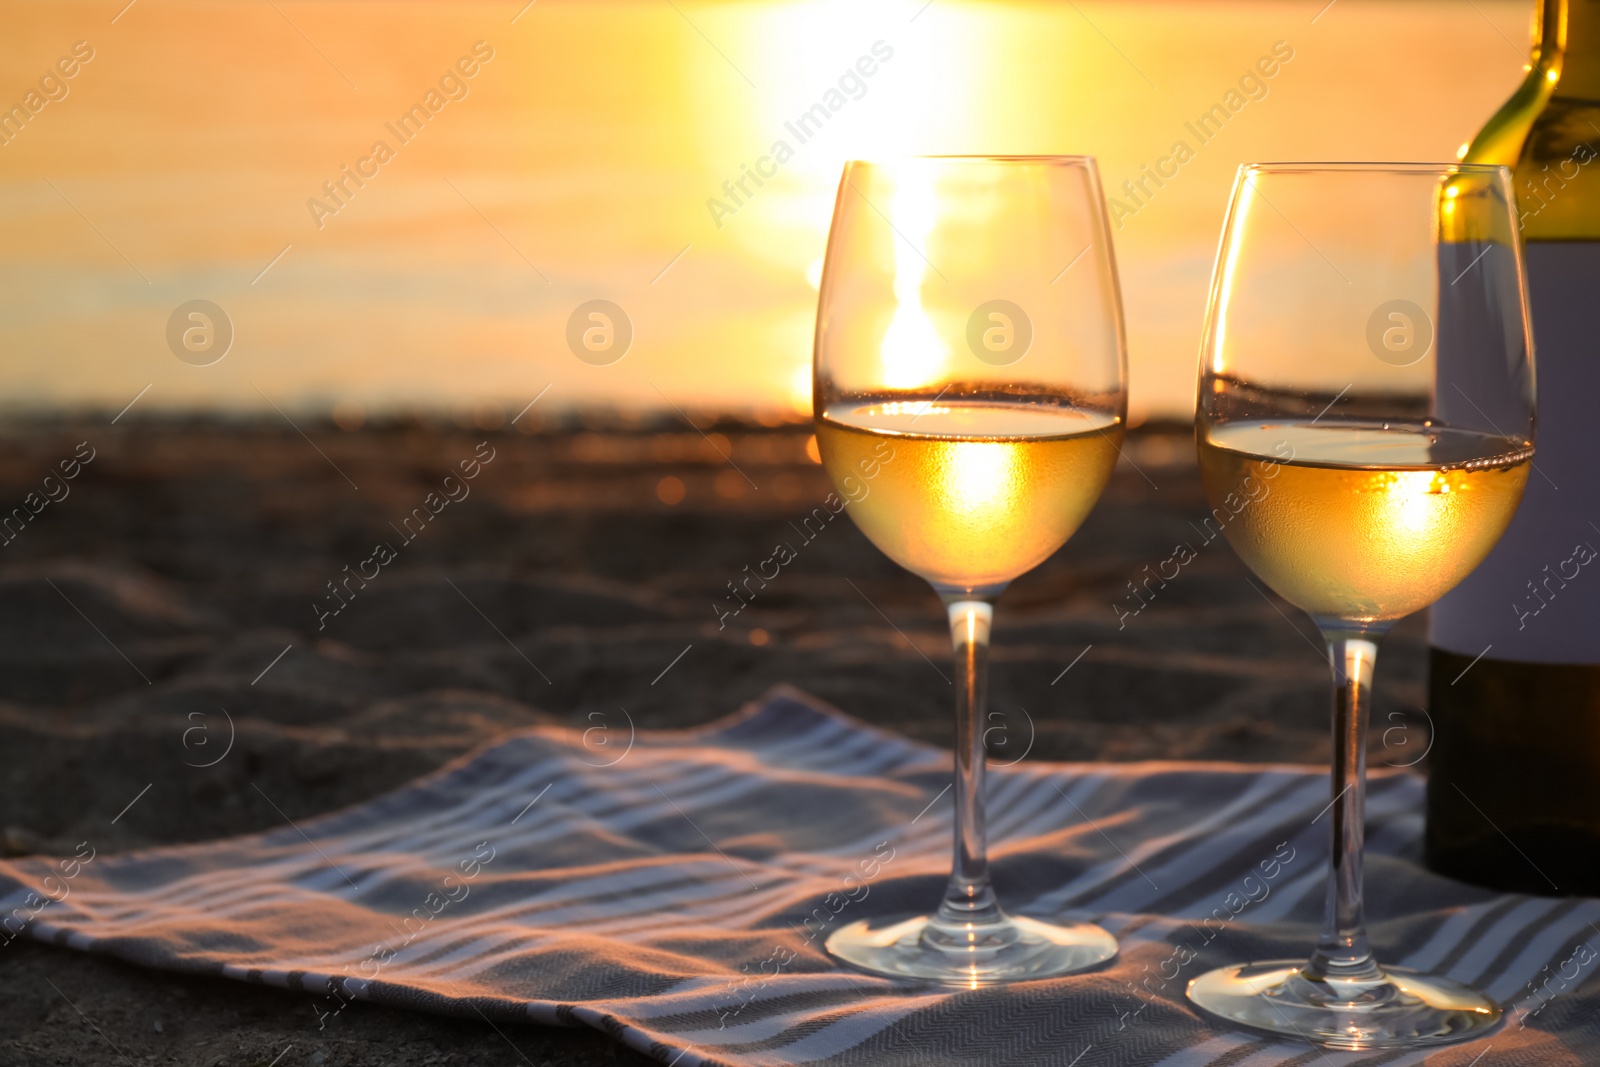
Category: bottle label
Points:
column 1536, row 597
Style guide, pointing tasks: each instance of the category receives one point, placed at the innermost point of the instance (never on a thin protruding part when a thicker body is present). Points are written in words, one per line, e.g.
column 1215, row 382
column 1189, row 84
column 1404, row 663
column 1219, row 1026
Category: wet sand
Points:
column 176, row 598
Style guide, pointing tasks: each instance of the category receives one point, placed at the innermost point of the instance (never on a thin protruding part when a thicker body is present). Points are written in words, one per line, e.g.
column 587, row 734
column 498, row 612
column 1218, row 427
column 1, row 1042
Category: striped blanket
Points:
column 674, row 890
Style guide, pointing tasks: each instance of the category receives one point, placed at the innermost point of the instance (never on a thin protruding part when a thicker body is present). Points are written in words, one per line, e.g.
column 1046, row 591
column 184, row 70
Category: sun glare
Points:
column 913, row 353
column 981, row 478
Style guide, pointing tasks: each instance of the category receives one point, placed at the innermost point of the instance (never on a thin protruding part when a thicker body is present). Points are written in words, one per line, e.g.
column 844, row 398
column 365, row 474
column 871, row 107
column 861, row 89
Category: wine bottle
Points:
column 1514, row 670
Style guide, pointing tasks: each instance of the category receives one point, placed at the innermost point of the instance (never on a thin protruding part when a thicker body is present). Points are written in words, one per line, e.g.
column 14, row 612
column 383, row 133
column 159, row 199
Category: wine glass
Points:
column 1365, row 428
column 970, row 403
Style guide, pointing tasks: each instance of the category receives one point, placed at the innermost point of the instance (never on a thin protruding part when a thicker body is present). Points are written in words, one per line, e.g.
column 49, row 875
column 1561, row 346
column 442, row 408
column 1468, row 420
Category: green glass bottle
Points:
column 1514, row 672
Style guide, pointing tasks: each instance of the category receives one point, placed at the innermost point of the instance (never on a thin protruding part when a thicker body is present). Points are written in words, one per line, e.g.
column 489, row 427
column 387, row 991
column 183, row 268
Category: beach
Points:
column 218, row 627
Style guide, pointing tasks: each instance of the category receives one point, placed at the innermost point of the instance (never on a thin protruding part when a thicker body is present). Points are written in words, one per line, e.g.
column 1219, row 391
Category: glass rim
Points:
column 1068, row 160
column 1372, row 167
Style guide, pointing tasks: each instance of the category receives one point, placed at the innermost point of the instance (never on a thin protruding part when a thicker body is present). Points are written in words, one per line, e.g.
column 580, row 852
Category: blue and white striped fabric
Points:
column 677, row 898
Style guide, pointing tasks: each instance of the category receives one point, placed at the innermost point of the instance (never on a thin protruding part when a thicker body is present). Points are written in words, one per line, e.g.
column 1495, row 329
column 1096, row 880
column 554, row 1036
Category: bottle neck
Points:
column 1566, row 46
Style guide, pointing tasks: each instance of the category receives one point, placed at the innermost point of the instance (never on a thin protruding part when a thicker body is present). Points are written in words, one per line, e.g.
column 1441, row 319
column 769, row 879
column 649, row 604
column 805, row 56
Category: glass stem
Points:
column 969, row 897
column 1342, row 952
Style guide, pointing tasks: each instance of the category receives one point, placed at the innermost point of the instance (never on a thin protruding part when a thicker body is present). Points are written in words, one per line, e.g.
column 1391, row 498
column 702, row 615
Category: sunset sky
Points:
column 585, row 157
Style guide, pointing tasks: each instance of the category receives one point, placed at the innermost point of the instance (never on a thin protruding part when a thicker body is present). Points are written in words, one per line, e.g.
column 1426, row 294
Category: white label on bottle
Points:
column 1536, row 598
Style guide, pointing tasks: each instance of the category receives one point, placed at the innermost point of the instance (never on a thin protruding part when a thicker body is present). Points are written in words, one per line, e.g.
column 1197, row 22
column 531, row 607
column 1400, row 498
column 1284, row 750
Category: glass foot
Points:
column 971, row 954
column 1404, row 1009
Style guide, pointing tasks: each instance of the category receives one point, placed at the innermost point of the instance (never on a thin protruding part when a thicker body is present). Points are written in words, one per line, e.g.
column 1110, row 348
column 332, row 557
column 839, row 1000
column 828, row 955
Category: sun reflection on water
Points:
column 912, row 352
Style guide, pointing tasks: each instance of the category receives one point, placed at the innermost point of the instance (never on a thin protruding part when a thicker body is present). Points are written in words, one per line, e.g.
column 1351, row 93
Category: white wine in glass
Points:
column 1361, row 490
column 970, row 403
column 977, row 493
column 1368, row 521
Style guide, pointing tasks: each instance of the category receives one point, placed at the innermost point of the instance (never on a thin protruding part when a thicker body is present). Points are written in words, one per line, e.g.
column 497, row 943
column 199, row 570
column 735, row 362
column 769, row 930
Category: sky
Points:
column 251, row 157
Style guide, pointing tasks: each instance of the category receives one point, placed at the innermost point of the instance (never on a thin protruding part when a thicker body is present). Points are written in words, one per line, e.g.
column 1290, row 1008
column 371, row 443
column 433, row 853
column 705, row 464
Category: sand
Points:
column 182, row 561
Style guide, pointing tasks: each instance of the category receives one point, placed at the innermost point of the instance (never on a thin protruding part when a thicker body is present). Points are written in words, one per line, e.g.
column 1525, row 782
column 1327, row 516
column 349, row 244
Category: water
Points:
column 578, row 162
